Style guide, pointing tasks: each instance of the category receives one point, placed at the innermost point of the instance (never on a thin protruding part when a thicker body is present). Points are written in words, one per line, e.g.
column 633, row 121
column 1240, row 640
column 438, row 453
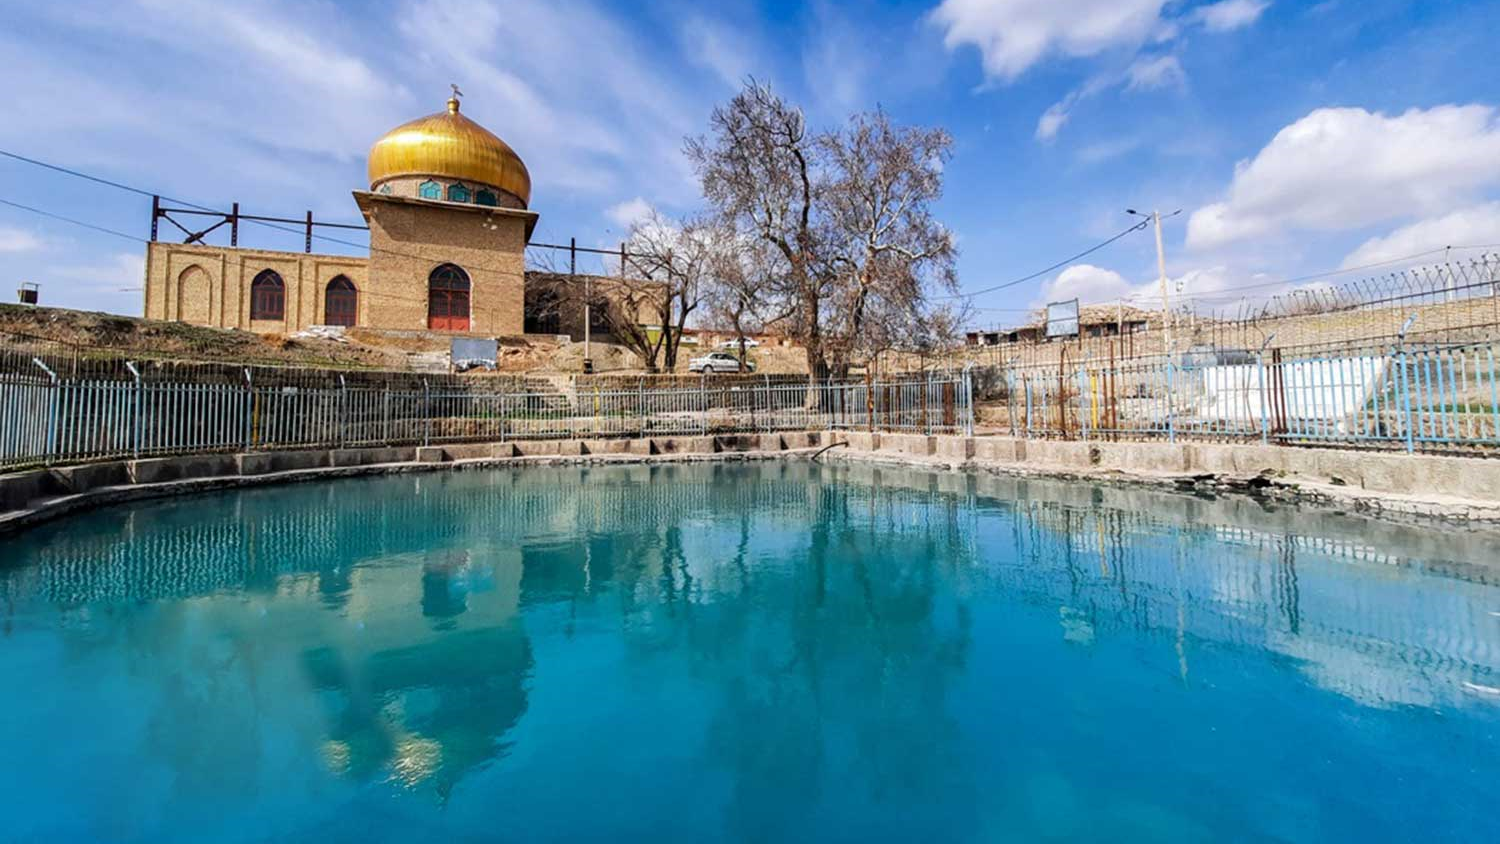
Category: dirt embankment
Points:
column 92, row 335
column 89, row 334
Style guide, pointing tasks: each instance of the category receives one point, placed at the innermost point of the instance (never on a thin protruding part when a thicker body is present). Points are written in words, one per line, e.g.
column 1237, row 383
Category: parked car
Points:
column 735, row 344
column 718, row 362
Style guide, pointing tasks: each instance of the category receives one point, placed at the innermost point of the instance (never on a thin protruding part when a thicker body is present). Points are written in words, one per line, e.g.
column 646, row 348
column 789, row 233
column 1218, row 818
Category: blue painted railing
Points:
column 1410, row 397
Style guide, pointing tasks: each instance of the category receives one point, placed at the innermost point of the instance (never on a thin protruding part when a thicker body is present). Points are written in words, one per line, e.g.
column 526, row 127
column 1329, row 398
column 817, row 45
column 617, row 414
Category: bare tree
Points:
column 883, row 242
column 740, row 294
column 854, row 247
column 679, row 259
column 758, row 170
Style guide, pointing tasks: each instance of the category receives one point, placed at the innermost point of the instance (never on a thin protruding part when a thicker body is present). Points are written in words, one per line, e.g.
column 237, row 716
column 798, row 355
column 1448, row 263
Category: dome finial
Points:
column 453, row 100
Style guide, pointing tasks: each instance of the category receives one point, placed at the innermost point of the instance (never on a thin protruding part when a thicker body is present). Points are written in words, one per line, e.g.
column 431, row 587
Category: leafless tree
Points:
column 678, row 258
column 758, row 168
column 854, row 247
column 884, row 244
column 741, row 292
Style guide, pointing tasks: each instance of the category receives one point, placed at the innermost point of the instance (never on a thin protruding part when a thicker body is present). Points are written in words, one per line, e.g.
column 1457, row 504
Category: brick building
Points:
column 447, row 210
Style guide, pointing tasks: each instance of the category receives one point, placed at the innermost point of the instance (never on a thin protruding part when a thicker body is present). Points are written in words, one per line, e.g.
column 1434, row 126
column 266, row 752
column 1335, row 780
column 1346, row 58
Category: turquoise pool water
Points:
column 757, row 652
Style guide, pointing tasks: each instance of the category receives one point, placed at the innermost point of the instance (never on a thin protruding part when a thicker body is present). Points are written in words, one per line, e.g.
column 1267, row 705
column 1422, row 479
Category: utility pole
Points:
column 1161, row 267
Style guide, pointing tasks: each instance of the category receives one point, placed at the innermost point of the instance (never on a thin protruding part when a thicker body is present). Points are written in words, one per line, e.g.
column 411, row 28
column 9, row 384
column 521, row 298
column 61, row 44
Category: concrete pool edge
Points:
column 1400, row 487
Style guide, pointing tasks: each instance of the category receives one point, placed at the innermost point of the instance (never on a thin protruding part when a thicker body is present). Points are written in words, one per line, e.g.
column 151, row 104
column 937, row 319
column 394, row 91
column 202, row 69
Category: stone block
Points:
column 1071, row 455
column 797, row 439
column 89, row 476
column 476, row 451
column 955, row 448
column 769, row 442
column 641, row 447
column 685, row 445
column 862, row 440
column 370, row 456
column 910, row 445
column 157, row 470
column 18, row 488
column 1142, row 457
column 996, row 449
column 267, row 462
column 431, row 454
column 607, row 446
column 537, row 448
column 737, row 442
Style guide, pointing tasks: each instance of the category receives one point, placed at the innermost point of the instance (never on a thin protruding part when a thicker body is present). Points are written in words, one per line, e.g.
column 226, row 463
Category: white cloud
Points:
column 1014, row 35
column 1052, row 120
column 1202, row 289
column 1147, row 74
column 18, row 240
column 629, row 213
column 1476, row 226
column 1089, row 284
column 718, row 48
column 1339, row 169
column 1229, row 14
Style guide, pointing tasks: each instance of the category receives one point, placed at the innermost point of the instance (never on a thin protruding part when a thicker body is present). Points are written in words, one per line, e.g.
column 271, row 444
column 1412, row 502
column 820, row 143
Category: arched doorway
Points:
column 448, row 299
column 267, row 296
column 340, row 302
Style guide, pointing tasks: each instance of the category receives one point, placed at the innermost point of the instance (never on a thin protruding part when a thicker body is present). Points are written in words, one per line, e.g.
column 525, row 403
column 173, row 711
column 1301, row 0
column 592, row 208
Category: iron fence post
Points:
column 1265, row 398
column 969, row 399
column 1087, row 402
column 1411, row 442
column 52, row 411
column 249, row 410
column 343, row 410
column 426, row 414
column 1171, row 387
column 136, row 422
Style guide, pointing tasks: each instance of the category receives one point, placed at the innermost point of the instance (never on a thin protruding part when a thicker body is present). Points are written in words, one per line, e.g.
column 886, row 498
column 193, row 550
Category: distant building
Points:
column 449, row 221
column 1093, row 321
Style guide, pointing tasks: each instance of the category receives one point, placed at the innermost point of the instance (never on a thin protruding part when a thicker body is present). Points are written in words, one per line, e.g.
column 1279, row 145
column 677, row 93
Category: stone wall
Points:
column 210, row 285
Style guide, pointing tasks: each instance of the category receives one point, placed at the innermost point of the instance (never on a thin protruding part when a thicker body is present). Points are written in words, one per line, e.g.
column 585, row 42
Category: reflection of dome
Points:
column 449, row 146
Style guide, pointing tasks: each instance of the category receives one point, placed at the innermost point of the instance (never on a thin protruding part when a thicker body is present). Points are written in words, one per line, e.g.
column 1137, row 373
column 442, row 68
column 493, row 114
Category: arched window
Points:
column 430, row 190
column 267, row 296
column 340, row 302
column 485, row 197
column 448, row 299
column 458, row 193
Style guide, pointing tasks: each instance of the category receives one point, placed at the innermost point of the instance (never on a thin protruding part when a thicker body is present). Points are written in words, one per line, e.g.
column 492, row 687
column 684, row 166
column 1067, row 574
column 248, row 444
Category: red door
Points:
column 341, row 302
column 448, row 299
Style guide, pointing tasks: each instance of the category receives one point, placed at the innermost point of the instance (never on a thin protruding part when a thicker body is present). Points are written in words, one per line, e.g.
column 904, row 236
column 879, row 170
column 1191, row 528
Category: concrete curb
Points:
column 1389, row 486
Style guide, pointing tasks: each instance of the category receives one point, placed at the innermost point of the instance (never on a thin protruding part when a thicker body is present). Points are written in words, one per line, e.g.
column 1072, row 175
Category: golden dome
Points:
column 448, row 145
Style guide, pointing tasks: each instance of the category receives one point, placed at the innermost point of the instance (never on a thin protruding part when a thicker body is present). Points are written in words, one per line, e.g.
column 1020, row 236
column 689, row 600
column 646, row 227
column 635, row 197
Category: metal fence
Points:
column 51, row 413
column 1412, row 397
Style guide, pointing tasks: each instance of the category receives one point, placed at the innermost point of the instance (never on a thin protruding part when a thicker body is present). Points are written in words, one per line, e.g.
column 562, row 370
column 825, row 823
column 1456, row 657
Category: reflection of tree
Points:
column 780, row 637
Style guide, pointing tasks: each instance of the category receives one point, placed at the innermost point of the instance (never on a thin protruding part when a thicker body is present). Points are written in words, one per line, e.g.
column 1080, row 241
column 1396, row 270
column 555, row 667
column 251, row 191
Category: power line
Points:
column 53, row 216
column 1039, row 273
column 57, row 168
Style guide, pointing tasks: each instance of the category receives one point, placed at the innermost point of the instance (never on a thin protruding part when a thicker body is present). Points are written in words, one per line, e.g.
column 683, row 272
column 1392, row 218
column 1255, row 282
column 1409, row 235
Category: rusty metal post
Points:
column 155, row 215
column 308, row 245
column 234, row 225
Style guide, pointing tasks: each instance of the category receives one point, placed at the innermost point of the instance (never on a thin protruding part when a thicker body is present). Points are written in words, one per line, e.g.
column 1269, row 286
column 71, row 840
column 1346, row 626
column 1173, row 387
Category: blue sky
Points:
column 1297, row 137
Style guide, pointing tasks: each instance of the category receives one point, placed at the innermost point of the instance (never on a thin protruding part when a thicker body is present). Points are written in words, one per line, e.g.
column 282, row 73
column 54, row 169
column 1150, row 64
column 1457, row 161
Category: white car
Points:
column 718, row 362
column 735, row 344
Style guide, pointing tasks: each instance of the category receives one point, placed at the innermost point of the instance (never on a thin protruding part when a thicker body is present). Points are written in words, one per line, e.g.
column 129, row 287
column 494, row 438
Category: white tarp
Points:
column 1326, row 390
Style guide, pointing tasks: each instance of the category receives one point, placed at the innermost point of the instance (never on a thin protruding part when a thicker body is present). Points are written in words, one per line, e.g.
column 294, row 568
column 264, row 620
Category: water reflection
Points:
column 792, row 626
